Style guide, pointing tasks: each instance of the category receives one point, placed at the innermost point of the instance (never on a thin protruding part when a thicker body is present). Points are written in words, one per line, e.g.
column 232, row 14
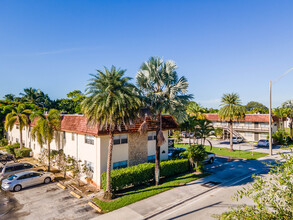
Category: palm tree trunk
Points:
column 108, row 194
column 157, row 161
column 49, row 158
column 231, row 136
column 291, row 130
column 20, row 137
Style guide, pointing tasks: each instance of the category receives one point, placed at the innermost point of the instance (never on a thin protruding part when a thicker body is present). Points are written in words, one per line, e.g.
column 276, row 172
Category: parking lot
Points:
column 44, row 202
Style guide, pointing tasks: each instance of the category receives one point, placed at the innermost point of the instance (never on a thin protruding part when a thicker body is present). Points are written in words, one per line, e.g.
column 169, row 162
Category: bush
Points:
column 3, row 142
column 24, row 152
column 11, row 148
column 281, row 137
column 143, row 173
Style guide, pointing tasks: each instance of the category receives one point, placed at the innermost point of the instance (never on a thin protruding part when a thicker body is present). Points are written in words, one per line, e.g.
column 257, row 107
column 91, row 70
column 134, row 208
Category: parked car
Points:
column 4, row 158
column 210, row 158
column 13, row 168
column 22, row 180
column 237, row 140
column 174, row 153
column 263, row 143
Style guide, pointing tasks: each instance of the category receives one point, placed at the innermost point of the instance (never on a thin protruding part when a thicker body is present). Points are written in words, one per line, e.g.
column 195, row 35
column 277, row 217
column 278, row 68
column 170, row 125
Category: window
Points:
column 121, row 164
column 17, row 140
column 264, row 125
column 89, row 139
column 27, row 166
column 17, row 126
column 151, row 136
column 64, row 135
column 72, row 136
column 151, row 158
column 120, row 139
column 263, row 136
column 249, row 124
column 248, row 134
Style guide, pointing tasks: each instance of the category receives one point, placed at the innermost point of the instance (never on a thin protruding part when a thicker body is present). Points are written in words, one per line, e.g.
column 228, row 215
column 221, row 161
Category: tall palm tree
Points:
column 111, row 101
column 164, row 92
column 231, row 111
column 20, row 115
column 45, row 128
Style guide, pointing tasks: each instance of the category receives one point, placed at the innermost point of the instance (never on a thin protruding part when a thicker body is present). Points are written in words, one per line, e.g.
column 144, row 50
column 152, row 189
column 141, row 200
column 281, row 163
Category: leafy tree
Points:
column 219, row 132
column 19, row 115
column 112, row 101
column 37, row 97
column 45, row 129
column 177, row 136
column 256, row 107
column 272, row 195
column 231, row 110
column 163, row 92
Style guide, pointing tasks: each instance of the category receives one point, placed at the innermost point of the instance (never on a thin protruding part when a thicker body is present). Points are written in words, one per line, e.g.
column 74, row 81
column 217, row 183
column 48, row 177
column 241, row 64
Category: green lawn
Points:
column 225, row 152
column 144, row 192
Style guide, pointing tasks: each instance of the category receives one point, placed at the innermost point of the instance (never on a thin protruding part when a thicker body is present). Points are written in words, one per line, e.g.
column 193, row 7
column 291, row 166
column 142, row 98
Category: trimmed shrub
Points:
column 24, row 152
column 143, row 173
column 174, row 167
column 11, row 148
column 3, row 142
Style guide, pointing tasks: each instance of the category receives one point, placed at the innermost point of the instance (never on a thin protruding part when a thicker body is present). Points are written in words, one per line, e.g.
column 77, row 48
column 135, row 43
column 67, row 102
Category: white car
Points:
column 263, row 143
column 22, row 180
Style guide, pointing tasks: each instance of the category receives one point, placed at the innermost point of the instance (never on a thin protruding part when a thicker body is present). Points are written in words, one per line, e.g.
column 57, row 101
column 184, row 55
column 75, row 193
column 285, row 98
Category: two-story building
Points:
column 252, row 128
column 90, row 145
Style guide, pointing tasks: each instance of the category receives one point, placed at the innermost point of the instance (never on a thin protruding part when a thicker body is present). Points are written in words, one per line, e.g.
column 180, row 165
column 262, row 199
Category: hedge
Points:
column 143, row 173
column 11, row 148
column 24, row 152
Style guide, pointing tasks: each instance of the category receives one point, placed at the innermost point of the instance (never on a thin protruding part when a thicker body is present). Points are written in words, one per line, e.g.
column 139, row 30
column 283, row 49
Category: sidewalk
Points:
column 229, row 173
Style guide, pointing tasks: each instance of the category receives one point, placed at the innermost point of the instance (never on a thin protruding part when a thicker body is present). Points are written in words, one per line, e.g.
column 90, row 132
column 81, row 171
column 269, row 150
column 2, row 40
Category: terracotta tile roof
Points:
column 248, row 118
column 78, row 124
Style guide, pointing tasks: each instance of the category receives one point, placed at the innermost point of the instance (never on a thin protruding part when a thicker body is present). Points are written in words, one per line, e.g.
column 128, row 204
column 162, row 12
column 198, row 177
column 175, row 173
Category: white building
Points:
column 252, row 128
column 90, row 145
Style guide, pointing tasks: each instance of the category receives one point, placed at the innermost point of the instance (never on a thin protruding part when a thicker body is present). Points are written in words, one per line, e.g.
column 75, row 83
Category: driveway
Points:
column 43, row 202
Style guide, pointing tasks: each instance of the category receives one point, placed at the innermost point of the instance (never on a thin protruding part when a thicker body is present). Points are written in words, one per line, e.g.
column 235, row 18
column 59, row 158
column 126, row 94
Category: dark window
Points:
column 89, row 139
column 26, row 176
column 28, row 166
column 151, row 158
column 121, row 139
column 35, row 174
column 121, row 164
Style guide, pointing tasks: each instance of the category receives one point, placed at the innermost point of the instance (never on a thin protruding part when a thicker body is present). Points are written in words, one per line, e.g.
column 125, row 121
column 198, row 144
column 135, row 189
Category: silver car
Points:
column 22, row 180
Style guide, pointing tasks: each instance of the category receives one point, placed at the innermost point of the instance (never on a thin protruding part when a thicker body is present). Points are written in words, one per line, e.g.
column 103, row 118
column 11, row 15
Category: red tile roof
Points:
column 248, row 118
column 78, row 124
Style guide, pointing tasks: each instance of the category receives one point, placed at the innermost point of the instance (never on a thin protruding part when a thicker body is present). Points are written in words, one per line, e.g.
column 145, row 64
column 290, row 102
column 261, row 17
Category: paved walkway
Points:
column 226, row 175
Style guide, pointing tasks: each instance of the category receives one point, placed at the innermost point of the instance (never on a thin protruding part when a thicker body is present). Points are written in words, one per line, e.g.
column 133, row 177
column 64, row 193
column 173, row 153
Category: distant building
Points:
column 252, row 128
column 90, row 145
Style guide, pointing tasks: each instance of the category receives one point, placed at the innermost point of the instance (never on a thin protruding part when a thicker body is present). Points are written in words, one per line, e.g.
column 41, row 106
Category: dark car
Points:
column 4, row 158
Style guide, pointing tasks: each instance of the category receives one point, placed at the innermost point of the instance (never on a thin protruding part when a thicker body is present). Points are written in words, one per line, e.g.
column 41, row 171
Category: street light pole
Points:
column 270, row 121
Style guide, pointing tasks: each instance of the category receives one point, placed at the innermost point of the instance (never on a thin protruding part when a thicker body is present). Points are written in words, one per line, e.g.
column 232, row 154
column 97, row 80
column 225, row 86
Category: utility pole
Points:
column 270, row 121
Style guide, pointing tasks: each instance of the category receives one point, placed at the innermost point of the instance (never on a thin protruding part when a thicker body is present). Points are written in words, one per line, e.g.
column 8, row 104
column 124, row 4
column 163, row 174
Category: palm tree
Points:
column 231, row 110
column 112, row 101
column 45, row 128
column 203, row 129
column 19, row 115
column 188, row 126
column 289, row 106
column 282, row 114
column 164, row 92
column 195, row 109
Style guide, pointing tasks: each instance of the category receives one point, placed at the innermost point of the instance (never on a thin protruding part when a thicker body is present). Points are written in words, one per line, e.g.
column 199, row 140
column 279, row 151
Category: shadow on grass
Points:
column 163, row 184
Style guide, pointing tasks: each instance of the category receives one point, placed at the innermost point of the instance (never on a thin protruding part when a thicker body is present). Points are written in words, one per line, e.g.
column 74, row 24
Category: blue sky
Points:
column 220, row 46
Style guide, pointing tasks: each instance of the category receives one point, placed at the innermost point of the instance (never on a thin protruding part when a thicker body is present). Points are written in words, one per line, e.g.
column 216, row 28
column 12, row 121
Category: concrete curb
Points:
column 75, row 195
column 95, row 206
